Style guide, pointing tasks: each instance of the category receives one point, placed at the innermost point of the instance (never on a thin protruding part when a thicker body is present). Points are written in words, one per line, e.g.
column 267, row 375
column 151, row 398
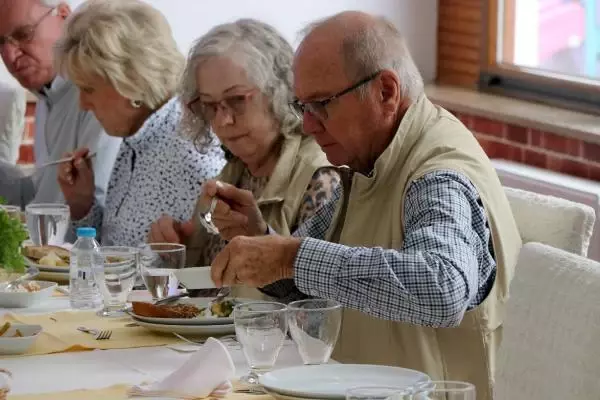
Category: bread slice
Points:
column 37, row 252
column 145, row 309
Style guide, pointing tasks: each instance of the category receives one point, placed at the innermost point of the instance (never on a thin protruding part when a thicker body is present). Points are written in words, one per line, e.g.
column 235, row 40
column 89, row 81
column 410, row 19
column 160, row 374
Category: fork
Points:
column 98, row 334
column 62, row 160
column 206, row 218
column 223, row 293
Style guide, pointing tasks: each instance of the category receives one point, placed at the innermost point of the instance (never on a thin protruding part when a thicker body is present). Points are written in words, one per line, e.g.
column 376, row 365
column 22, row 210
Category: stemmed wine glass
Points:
column 261, row 328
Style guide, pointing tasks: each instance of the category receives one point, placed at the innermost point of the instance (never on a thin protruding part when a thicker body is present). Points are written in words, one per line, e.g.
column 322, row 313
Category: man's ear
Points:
column 389, row 91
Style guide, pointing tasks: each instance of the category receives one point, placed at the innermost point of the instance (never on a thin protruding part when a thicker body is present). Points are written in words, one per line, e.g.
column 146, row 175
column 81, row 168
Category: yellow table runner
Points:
column 61, row 335
column 117, row 392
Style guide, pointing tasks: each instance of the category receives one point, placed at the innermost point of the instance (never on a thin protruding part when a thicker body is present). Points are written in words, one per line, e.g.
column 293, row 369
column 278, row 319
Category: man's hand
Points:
column 167, row 230
column 236, row 212
column 255, row 261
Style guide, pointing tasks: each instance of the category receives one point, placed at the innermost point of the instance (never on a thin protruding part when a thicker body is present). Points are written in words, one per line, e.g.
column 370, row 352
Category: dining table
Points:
column 46, row 376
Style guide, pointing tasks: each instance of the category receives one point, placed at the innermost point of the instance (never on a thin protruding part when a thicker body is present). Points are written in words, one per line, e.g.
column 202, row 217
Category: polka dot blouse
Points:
column 156, row 172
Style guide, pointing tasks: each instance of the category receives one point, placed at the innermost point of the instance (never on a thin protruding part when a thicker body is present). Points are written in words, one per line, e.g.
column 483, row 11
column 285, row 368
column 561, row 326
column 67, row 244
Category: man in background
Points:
column 28, row 32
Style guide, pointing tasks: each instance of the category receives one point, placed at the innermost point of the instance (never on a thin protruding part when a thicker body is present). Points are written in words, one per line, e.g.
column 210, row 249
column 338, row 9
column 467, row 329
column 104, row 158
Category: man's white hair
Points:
column 377, row 47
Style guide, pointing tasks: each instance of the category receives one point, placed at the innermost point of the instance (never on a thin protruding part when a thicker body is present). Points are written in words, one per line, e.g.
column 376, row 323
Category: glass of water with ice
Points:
column 47, row 223
column 261, row 328
column 157, row 262
column 115, row 269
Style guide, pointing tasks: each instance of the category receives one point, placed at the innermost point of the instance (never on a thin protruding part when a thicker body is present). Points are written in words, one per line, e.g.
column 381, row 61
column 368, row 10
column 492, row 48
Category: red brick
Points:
column 568, row 166
column 30, row 110
column 517, row 134
column 535, row 137
column 594, row 172
column 489, row 127
column 591, row 151
column 535, row 158
column 29, row 132
column 26, row 154
column 507, row 151
column 561, row 144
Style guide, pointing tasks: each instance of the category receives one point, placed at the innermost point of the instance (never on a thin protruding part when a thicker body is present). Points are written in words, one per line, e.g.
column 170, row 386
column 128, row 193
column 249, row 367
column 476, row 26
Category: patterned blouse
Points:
column 156, row 172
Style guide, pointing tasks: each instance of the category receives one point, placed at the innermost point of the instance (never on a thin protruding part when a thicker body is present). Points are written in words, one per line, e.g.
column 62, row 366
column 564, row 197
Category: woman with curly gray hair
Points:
column 238, row 84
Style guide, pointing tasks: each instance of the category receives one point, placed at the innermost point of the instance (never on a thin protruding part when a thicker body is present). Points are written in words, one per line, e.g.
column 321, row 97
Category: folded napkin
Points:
column 208, row 372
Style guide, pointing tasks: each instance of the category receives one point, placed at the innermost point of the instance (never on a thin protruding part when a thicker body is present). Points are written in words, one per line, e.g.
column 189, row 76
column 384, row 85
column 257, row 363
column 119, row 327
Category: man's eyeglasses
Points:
column 207, row 110
column 23, row 34
column 318, row 108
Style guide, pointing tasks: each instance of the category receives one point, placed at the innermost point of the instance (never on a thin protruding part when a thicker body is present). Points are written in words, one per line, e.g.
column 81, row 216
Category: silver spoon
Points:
column 206, row 218
column 32, row 272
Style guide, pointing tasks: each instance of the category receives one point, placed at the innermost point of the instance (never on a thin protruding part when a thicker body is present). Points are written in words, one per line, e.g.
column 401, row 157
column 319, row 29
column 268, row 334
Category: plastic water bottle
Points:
column 84, row 293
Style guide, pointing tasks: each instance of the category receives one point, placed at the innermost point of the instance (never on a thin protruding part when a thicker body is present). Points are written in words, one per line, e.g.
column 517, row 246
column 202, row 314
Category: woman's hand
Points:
column 167, row 230
column 76, row 180
column 236, row 212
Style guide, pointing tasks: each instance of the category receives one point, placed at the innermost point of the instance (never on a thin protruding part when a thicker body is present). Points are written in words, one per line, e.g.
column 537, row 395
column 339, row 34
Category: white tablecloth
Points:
column 103, row 368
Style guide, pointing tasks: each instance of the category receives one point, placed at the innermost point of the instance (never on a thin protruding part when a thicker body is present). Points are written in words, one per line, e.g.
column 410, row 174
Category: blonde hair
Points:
column 267, row 60
column 126, row 42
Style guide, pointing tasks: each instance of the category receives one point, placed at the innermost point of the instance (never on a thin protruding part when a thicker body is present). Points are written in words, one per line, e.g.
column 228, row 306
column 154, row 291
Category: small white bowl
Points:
column 18, row 345
column 27, row 299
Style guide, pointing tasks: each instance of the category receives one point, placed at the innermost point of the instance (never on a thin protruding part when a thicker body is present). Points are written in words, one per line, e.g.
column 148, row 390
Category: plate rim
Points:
column 213, row 331
column 330, row 396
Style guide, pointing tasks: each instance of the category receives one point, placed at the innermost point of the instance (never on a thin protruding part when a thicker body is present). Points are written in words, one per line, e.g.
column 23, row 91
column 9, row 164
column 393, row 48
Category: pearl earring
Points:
column 136, row 103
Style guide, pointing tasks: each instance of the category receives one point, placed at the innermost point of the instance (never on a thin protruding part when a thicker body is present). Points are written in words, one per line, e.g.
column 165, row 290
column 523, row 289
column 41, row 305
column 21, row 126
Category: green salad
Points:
column 12, row 235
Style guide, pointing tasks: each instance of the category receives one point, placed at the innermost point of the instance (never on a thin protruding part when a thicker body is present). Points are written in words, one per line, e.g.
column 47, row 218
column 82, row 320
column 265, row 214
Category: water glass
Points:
column 315, row 328
column 157, row 262
column 47, row 223
column 378, row 393
column 115, row 269
column 444, row 390
column 261, row 329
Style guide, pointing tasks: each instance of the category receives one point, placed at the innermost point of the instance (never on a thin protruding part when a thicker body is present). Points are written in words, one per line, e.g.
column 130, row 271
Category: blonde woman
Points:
column 122, row 56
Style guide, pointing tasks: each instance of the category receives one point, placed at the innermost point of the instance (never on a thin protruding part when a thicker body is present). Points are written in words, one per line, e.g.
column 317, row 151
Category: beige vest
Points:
column 429, row 138
column 281, row 198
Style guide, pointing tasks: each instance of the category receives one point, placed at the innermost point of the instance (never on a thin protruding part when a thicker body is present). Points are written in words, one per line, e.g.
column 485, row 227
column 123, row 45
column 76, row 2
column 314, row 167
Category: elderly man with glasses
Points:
column 28, row 32
column 421, row 244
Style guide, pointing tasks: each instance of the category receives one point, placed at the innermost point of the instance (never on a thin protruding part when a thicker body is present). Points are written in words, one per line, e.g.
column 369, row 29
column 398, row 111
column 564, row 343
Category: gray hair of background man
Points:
column 265, row 56
column 377, row 47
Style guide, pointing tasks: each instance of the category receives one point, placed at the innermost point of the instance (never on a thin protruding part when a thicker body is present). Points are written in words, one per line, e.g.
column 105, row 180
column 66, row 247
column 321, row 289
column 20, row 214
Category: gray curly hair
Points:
column 267, row 59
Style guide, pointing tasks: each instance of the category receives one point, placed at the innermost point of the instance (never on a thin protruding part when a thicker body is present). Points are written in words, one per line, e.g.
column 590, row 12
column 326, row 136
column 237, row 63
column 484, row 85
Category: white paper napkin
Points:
column 206, row 373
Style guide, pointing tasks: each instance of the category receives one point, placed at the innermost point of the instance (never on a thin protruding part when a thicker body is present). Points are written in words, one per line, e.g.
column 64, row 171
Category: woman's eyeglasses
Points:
column 207, row 110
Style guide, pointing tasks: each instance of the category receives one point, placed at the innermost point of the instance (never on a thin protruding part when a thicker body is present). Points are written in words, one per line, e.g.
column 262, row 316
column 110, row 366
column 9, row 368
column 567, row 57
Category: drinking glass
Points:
column 261, row 329
column 315, row 327
column 47, row 223
column 115, row 269
column 444, row 390
column 378, row 393
column 157, row 262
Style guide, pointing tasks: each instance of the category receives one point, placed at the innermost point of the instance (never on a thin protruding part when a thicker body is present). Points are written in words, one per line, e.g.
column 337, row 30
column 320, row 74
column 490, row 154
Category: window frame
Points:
column 528, row 83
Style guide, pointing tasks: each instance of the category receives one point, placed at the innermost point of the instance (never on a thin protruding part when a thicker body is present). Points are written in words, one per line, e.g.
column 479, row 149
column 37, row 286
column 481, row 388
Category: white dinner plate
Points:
column 200, row 302
column 331, row 381
column 46, row 268
column 190, row 330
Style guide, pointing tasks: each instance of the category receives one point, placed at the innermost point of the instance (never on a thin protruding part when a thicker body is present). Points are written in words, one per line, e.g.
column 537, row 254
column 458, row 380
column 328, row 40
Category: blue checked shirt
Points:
column 445, row 266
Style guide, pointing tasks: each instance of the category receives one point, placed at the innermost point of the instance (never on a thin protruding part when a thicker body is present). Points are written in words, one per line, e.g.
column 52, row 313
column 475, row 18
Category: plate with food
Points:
column 195, row 311
column 26, row 294
column 188, row 330
column 47, row 258
column 17, row 338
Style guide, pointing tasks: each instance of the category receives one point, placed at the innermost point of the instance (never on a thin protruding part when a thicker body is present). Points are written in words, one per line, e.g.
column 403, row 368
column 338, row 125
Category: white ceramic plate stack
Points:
column 331, row 381
column 198, row 326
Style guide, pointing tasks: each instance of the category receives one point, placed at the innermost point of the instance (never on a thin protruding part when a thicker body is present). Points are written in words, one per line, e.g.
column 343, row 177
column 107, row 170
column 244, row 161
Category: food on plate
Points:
column 52, row 256
column 145, row 309
column 183, row 310
column 6, row 327
column 25, row 287
column 222, row 309
column 115, row 259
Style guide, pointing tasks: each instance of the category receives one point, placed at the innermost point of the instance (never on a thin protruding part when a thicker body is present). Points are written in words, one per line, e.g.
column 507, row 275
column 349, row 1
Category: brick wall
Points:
column 499, row 140
column 26, row 150
column 536, row 148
